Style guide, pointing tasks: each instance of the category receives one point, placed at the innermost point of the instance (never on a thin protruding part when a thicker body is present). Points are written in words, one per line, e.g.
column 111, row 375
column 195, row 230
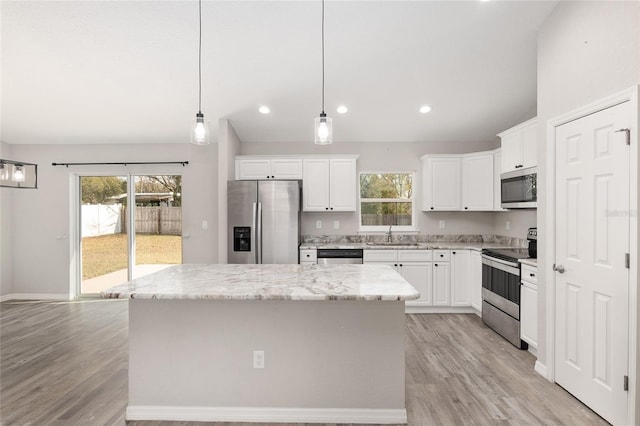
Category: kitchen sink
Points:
column 384, row 243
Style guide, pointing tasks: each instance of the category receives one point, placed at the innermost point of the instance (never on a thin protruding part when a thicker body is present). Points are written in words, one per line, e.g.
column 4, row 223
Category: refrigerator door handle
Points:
column 259, row 235
column 254, row 211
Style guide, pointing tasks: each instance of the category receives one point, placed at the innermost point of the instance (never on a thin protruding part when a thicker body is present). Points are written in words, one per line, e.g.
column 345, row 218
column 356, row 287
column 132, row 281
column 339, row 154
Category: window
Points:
column 386, row 199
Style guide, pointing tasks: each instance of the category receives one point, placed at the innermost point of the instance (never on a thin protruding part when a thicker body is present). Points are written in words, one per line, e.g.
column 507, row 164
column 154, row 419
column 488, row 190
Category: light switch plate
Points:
column 507, row 225
column 336, row 224
column 442, row 224
column 318, row 224
column 205, row 224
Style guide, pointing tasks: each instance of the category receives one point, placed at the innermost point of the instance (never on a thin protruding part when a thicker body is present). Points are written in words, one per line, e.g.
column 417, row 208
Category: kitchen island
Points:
column 270, row 343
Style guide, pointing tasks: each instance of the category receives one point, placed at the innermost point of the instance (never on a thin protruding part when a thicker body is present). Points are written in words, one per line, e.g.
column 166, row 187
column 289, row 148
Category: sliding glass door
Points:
column 130, row 226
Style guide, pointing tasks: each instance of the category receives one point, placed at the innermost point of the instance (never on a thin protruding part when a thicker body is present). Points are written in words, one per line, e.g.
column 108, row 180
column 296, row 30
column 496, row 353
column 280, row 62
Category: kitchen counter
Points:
column 420, row 246
column 530, row 262
column 268, row 282
column 269, row 343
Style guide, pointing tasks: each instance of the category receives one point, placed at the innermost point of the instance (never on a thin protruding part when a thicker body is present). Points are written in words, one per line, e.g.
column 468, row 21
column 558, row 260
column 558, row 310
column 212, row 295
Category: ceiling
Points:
column 85, row 72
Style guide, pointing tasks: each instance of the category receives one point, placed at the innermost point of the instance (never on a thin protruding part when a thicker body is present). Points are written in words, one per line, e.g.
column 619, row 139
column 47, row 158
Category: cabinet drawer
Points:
column 415, row 255
column 441, row 255
column 309, row 255
column 529, row 274
column 380, row 256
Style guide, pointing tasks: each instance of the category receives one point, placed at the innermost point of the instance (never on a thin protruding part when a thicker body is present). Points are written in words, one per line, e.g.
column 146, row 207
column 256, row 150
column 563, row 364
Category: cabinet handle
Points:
column 267, row 177
column 431, row 208
column 453, row 252
column 442, row 255
column 331, row 208
column 435, row 264
column 395, row 264
column 532, row 275
column 401, row 265
column 272, row 177
column 326, row 208
column 466, row 208
column 308, row 255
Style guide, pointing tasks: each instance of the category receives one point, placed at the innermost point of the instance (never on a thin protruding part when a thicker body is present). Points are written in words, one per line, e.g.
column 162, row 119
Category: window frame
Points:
column 385, row 228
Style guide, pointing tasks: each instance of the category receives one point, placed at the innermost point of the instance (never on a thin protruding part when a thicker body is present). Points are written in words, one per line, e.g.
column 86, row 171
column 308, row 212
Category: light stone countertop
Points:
column 268, row 282
column 420, row 246
column 530, row 262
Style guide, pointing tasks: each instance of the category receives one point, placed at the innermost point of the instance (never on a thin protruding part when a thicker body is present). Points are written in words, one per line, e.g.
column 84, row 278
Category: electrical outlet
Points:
column 258, row 359
column 205, row 224
column 507, row 225
column 336, row 224
column 442, row 224
column 318, row 224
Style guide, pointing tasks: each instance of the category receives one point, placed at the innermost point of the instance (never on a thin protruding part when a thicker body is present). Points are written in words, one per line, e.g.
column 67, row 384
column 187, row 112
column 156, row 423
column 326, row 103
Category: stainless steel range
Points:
column 501, row 289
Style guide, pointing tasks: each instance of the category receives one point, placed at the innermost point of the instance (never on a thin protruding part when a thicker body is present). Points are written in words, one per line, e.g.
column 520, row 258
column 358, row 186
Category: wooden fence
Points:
column 155, row 220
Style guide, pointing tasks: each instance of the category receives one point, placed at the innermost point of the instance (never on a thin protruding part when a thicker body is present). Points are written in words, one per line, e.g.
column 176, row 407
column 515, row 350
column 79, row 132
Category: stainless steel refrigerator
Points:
column 264, row 221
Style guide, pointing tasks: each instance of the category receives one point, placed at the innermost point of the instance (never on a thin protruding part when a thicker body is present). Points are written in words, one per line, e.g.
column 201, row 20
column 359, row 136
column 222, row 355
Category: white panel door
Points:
column 592, row 237
column 477, row 182
column 343, row 184
column 315, row 185
column 419, row 275
column 460, row 284
column 441, row 284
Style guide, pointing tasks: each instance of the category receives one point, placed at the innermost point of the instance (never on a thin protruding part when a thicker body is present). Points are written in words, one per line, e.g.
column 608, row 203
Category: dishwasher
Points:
column 339, row 256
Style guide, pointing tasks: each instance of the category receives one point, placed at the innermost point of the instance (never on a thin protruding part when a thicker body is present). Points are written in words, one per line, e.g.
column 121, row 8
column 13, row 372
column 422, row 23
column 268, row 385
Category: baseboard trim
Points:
column 265, row 414
column 541, row 369
column 34, row 296
column 417, row 309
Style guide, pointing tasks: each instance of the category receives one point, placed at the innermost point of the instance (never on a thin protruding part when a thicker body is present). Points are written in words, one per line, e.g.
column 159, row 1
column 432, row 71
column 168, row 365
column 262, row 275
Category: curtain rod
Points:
column 184, row 163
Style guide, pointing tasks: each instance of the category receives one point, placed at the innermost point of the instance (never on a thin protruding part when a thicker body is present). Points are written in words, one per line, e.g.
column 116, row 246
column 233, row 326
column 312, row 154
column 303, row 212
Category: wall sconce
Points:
column 18, row 174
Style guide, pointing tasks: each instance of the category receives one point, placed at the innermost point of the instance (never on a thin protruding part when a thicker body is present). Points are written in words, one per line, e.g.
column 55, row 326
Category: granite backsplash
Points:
column 413, row 239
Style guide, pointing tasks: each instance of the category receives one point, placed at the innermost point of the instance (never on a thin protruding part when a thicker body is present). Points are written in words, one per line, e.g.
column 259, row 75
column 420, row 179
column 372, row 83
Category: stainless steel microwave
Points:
column 518, row 189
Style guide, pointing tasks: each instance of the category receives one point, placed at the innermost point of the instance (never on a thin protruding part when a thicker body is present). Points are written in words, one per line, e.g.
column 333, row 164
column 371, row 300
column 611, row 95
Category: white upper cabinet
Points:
column 342, row 185
column 329, row 185
column 520, row 146
column 263, row 168
column 477, row 182
column 466, row 182
column 441, row 182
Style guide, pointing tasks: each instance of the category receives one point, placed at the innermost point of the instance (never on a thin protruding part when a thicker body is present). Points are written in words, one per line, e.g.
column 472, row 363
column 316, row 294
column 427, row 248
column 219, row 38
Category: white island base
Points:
column 328, row 361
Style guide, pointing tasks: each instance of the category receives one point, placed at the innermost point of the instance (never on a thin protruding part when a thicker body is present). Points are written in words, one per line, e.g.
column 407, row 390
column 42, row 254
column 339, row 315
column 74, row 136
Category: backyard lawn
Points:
column 108, row 253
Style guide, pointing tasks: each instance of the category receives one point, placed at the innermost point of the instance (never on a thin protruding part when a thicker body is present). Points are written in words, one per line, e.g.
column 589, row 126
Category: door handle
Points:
column 559, row 268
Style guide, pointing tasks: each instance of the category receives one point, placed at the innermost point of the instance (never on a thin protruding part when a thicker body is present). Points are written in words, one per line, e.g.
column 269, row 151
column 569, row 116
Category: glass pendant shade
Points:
column 18, row 174
column 200, row 134
column 324, row 130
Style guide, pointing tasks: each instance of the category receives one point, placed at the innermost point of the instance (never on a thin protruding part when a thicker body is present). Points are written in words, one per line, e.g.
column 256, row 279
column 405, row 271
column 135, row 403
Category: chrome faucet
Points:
column 389, row 234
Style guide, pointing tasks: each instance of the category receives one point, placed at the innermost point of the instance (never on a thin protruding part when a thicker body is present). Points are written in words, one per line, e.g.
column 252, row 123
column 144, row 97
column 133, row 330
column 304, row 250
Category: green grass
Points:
column 108, row 253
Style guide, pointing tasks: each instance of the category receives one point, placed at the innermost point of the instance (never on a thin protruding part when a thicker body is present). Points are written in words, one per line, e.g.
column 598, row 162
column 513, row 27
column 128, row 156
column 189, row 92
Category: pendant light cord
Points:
column 200, row 57
column 323, row 56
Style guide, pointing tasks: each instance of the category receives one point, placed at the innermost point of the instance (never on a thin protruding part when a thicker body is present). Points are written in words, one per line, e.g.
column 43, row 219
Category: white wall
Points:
column 586, row 51
column 400, row 157
column 6, row 208
column 228, row 148
column 42, row 254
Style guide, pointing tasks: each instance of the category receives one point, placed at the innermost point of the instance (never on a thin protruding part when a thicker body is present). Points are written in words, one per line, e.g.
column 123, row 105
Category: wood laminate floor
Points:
column 65, row 363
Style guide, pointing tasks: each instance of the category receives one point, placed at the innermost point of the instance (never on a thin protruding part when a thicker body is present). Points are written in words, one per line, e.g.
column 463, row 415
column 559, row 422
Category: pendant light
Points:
column 323, row 124
column 200, row 134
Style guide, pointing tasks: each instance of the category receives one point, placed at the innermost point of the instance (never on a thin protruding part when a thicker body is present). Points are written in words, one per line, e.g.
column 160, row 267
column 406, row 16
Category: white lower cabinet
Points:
column 529, row 306
column 414, row 265
column 308, row 256
column 475, row 280
column 444, row 278
column 460, row 282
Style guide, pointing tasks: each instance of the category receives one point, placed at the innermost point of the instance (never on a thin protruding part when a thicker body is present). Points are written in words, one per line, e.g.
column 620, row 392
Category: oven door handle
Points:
column 503, row 265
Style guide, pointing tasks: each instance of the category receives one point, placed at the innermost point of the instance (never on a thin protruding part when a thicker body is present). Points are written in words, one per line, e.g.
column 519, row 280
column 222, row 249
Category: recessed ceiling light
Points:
column 264, row 109
column 425, row 109
column 342, row 109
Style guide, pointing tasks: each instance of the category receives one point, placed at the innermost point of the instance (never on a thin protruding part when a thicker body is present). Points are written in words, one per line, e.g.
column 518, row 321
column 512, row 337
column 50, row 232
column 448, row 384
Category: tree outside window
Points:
column 386, row 199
